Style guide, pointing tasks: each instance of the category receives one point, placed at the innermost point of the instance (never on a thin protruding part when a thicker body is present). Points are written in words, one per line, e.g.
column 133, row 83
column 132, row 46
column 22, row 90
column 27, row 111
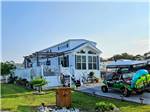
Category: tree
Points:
column 138, row 57
column 147, row 55
column 6, row 67
column 129, row 56
column 102, row 59
column 121, row 56
column 38, row 82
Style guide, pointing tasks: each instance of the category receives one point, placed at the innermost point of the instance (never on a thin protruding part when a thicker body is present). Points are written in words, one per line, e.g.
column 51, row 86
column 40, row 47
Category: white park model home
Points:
column 74, row 59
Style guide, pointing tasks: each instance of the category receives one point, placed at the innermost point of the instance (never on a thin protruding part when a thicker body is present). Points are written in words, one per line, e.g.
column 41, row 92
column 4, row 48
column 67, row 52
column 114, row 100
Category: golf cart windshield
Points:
column 118, row 70
column 108, row 76
column 128, row 75
column 111, row 69
column 124, row 70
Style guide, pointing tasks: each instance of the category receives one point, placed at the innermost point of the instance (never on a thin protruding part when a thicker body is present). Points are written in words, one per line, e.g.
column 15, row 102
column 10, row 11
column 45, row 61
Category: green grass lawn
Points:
column 18, row 99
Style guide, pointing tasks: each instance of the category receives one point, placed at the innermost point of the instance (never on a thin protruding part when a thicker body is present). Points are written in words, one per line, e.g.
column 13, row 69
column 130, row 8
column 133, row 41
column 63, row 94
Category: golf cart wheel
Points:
column 104, row 89
column 139, row 92
column 126, row 92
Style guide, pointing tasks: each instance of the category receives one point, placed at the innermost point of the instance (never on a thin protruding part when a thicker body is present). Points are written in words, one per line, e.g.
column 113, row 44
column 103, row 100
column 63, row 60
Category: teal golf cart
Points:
column 127, row 77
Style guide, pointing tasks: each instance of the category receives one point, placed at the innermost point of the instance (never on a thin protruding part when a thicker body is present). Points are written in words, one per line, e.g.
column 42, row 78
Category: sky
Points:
column 117, row 27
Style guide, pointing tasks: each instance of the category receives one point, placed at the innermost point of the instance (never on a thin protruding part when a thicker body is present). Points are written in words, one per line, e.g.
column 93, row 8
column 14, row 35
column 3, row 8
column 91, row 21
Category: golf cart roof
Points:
column 125, row 63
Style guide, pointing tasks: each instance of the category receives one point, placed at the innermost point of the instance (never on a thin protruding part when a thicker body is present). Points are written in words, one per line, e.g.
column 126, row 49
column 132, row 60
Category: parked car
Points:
column 127, row 78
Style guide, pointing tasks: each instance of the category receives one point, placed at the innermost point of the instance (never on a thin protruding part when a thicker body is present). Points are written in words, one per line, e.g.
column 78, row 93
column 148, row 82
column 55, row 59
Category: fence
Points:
column 28, row 73
column 51, row 75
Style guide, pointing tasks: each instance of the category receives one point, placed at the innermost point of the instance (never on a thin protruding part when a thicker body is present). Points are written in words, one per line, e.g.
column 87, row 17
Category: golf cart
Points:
column 126, row 76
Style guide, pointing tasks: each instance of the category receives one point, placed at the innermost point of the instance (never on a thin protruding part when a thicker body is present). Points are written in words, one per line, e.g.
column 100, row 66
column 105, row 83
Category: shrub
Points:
column 22, row 82
column 78, row 83
column 91, row 74
column 18, row 81
column 103, row 107
column 38, row 82
column 96, row 80
column 12, row 79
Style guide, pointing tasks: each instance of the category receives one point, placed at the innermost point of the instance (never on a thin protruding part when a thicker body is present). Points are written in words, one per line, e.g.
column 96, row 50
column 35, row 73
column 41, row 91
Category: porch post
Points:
column 47, row 58
column 98, row 62
column 25, row 62
column 42, row 70
column 59, row 68
column 37, row 59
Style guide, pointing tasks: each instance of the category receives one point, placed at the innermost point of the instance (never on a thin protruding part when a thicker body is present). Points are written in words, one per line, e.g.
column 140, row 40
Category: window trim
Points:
column 92, row 62
column 62, row 61
column 81, row 62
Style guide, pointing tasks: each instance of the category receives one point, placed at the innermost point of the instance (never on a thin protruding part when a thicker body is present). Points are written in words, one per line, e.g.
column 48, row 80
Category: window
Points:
column 91, row 52
column 63, row 46
column 78, row 59
column 30, row 64
column 64, row 61
column 81, row 62
column 48, row 62
column 82, row 52
column 67, row 45
column 47, row 71
column 78, row 62
column 84, row 62
column 92, row 62
column 78, row 65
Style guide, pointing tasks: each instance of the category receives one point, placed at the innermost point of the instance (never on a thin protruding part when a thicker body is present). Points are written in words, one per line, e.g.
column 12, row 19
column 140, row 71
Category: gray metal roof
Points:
column 126, row 63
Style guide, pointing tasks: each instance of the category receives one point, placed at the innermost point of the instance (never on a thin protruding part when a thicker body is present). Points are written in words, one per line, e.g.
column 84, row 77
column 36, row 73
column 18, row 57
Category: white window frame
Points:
column 81, row 62
column 92, row 62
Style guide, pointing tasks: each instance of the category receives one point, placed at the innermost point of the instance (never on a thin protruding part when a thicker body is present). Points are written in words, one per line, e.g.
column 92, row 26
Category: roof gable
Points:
column 83, row 45
column 90, row 46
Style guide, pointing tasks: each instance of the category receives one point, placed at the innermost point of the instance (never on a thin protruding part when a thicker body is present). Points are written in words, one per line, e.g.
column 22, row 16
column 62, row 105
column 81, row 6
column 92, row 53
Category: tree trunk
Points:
column 39, row 89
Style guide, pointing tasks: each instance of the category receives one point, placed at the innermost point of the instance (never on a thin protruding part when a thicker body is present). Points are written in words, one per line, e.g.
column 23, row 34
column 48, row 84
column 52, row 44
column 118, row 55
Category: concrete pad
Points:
column 96, row 89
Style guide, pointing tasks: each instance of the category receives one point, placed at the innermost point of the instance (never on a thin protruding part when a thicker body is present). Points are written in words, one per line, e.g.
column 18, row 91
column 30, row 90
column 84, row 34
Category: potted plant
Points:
column 91, row 74
column 97, row 80
column 91, row 77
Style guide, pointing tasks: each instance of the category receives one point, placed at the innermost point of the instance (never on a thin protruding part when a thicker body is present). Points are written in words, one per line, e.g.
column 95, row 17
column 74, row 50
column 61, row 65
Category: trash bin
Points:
column 63, row 97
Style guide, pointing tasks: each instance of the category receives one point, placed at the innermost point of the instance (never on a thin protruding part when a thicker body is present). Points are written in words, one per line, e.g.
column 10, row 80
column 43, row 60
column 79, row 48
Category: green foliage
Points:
column 103, row 106
column 147, row 55
column 9, row 89
column 21, row 82
column 6, row 67
column 122, row 56
column 91, row 74
column 18, row 99
column 38, row 81
column 129, row 56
